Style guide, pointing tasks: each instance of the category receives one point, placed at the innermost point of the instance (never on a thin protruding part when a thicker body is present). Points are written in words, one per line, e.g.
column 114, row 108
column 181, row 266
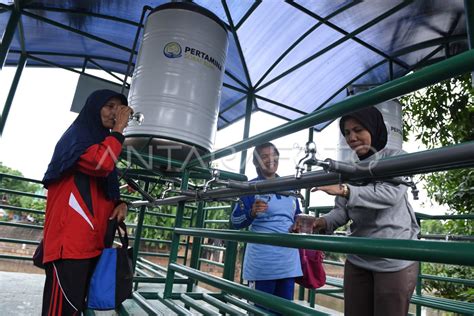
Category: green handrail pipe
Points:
column 214, row 263
column 213, row 247
column 19, row 241
column 417, row 250
column 146, row 306
column 443, row 217
column 220, row 305
column 21, row 209
column 15, row 192
column 157, row 254
column 275, row 303
column 178, row 309
column 449, row 68
column 13, row 257
column 15, row 177
column 199, row 307
column 21, row 225
column 244, row 305
column 447, row 279
column 143, row 279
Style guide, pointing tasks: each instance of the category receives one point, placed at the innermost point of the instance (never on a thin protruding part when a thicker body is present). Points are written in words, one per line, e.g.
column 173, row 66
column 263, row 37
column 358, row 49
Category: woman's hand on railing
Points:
column 294, row 229
column 319, row 225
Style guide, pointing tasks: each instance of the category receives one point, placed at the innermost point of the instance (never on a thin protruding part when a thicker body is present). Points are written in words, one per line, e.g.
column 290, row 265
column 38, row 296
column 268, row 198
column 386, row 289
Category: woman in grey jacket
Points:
column 372, row 286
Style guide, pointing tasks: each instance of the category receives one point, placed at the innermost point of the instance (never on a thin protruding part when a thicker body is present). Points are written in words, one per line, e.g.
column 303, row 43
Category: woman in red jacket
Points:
column 83, row 194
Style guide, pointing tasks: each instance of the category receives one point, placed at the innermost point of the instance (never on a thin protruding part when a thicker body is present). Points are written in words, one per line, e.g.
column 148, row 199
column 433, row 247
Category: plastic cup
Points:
column 263, row 197
column 304, row 223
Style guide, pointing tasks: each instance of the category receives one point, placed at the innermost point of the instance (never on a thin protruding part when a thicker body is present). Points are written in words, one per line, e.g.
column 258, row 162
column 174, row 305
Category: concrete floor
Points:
column 22, row 293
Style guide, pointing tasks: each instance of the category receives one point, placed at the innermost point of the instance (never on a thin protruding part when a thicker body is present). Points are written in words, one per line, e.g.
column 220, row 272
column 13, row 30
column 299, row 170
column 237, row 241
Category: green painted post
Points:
column 188, row 238
column 8, row 36
column 11, row 93
column 135, row 42
column 248, row 116
column 243, row 166
column 175, row 239
column 204, row 216
column 138, row 233
column 305, row 209
column 230, row 257
column 312, row 298
column 418, row 279
column 196, row 249
column 469, row 10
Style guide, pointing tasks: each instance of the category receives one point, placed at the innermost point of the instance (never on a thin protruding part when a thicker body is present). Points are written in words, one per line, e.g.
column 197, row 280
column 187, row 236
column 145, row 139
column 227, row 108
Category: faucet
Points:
column 170, row 187
column 309, row 159
column 215, row 179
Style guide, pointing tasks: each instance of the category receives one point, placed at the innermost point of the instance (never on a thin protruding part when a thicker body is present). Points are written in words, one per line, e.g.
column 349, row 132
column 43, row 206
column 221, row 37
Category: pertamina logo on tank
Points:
column 174, row 50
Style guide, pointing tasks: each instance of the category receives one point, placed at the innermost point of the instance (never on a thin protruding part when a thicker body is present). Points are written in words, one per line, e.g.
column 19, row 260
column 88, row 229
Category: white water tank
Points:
column 177, row 82
column 392, row 115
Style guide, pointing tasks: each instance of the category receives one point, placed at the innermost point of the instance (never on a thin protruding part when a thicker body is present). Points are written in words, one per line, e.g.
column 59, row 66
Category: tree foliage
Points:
column 21, row 186
column 443, row 115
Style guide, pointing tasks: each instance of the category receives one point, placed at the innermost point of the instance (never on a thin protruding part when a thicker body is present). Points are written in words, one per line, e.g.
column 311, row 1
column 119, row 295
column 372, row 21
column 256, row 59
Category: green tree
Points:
column 21, row 186
column 443, row 115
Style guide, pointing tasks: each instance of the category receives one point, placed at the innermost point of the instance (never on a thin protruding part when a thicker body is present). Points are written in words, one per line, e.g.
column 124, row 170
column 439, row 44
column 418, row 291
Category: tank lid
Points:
column 191, row 7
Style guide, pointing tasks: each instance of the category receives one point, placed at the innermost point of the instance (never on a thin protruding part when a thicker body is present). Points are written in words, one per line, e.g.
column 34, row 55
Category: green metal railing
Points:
column 139, row 227
column 416, row 250
column 148, row 272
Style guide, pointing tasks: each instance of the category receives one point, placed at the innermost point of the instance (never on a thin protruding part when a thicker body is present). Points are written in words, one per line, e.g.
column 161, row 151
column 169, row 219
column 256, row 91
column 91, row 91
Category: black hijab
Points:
column 84, row 132
column 372, row 120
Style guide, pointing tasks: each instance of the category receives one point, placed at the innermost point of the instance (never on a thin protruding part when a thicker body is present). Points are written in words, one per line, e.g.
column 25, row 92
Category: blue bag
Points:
column 112, row 280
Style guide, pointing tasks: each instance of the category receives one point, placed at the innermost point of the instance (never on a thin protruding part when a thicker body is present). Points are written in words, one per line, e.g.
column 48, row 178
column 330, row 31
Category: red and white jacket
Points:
column 77, row 210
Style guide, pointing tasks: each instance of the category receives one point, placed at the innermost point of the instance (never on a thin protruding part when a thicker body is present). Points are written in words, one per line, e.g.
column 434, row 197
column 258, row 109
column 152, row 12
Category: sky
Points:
column 40, row 114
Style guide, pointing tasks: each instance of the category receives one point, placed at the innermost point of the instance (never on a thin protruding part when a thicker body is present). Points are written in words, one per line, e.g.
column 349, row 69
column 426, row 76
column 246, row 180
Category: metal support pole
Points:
column 196, row 249
column 132, row 53
column 230, row 257
column 175, row 239
column 305, row 207
column 418, row 280
column 469, row 9
column 11, row 94
column 248, row 115
column 8, row 36
column 138, row 231
column 138, row 234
